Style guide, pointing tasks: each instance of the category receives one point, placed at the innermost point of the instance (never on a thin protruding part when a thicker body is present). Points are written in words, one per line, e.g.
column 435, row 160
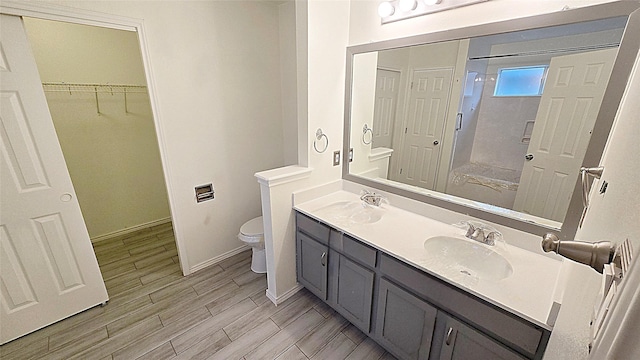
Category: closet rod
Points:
column 547, row 52
column 94, row 88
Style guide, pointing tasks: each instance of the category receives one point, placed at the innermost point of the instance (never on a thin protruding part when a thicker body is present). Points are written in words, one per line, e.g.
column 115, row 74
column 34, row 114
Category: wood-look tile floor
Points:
column 220, row 312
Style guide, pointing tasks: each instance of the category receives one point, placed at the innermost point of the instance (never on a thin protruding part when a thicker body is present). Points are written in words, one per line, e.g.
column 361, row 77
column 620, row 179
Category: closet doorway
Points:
column 95, row 86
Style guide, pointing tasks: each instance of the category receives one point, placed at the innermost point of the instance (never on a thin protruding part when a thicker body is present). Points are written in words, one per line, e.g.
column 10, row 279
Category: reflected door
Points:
column 387, row 83
column 568, row 110
column 48, row 268
column 428, row 104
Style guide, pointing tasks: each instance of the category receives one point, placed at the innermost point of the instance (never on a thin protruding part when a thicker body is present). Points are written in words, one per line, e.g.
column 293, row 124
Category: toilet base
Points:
column 258, row 260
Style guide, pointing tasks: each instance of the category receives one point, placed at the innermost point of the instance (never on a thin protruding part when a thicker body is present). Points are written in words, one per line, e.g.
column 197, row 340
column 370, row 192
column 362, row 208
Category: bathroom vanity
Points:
column 371, row 265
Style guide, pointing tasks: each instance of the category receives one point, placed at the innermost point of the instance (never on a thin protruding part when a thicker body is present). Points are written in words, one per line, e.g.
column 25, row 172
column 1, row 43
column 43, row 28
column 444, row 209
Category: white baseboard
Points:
column 129, row 230
column 218, row 258
column 276, row 300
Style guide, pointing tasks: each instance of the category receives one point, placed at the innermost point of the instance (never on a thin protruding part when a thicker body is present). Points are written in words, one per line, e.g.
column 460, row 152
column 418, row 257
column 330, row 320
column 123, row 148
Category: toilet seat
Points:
column 252, row 234
column 252, row 231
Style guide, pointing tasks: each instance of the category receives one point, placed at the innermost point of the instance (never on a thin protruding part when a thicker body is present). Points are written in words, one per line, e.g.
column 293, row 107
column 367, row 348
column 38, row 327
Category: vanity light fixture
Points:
column 407, row 5
column 394, row 10
column 385, row 9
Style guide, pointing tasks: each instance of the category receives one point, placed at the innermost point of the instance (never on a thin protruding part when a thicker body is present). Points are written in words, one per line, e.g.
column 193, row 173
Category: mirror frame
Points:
column 623, row 65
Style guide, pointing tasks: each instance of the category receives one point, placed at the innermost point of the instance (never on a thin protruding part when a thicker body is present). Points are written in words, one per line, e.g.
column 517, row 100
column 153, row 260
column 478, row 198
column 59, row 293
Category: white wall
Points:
column 216, row 76
column 113, row 157
column 321, row 49
column 327, row 40
column 288, row 86
column 362, row 109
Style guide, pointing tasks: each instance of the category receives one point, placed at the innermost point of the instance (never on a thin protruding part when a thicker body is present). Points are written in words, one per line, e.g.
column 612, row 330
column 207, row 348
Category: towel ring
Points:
column 319, row 136
column 366, row 129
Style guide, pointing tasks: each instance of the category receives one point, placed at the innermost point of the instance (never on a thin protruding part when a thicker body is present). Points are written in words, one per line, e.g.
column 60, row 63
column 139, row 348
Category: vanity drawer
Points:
column 313, row 228
column 511, row 330
column 353, row 248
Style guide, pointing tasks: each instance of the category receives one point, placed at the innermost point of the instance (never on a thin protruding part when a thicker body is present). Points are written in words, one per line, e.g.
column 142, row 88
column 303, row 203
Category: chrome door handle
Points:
column 323, row 259
column 436, row 142
column 528, row 157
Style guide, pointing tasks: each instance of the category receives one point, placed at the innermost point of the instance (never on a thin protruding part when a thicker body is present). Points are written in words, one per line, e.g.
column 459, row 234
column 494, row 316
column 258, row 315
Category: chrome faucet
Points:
column 477, row 233
column 371, row 198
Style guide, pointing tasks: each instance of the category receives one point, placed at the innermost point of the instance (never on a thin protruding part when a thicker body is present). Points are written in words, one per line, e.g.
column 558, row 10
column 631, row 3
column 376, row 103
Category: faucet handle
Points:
column 471, row 229
column 491, row 237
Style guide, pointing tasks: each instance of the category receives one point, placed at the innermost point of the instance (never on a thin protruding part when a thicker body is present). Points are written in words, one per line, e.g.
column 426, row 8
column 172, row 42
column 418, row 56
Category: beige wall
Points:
column 85, row 54
column 113, row 156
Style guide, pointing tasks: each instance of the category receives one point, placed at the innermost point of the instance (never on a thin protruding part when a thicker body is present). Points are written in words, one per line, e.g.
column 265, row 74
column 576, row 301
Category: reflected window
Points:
column 521, row 81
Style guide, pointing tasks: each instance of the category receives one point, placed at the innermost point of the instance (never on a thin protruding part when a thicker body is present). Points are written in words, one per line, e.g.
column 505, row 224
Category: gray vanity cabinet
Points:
column 411, row 313
column 351, row 278
column 337, row 269
column 312, row 240
column 404, row 323
column 312, row 265
column 462, row 342
column 351, row 291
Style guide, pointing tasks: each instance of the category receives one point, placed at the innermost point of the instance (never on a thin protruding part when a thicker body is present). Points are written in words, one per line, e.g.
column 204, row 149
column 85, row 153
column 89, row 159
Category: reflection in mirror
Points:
column 502, row 120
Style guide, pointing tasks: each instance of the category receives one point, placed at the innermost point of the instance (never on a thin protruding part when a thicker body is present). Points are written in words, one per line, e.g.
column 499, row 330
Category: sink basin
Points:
column 458, row 256
column 346, row 213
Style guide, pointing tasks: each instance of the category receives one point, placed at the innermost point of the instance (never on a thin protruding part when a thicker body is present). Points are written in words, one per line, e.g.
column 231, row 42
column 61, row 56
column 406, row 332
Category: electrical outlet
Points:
column 336, row 158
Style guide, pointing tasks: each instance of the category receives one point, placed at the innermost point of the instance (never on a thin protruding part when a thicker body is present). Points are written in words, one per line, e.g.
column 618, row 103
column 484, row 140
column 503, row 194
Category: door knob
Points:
column 436, row 142
column 596, row 172
column 528, row 157
column 595, row 254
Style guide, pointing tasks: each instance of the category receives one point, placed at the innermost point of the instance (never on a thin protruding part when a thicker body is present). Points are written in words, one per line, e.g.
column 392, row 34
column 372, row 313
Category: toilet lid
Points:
column 252, row 227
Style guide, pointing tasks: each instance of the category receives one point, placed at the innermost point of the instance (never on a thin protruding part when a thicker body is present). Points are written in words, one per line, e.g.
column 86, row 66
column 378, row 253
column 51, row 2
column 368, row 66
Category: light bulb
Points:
column 432, row 2
column 386, row 9
column 407, row 5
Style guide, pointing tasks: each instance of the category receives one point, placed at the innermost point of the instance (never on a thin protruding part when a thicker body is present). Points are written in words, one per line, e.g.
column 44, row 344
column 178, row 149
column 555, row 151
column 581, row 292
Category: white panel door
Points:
column 567, row 113
column 48, row 268
column 428, row 105
column 387, row 84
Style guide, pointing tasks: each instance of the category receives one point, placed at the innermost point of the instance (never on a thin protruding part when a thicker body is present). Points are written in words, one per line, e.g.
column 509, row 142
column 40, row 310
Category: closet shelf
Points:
column 94, row 88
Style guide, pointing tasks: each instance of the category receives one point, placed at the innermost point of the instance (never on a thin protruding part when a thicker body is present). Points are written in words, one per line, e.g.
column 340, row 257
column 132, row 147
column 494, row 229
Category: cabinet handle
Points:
column 323, row 259
column 448, row 339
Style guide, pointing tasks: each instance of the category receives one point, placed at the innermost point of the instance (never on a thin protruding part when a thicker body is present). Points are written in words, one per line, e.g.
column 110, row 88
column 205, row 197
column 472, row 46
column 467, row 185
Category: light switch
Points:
column 336, row 158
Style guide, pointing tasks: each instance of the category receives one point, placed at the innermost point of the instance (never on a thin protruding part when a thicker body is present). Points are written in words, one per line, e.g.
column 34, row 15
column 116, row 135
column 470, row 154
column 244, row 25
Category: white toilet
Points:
column 252, row 234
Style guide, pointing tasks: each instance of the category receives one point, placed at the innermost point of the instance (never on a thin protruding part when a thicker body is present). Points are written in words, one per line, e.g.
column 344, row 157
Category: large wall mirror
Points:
column 495, row 120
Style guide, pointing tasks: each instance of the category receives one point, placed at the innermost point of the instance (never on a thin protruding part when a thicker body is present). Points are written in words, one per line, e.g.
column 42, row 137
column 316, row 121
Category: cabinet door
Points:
column 404, row 323
column 463, row 342
column 352, row 292
column 312, row 265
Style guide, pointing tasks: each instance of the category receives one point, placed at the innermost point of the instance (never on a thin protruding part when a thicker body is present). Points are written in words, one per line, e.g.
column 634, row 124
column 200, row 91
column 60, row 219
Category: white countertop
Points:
column 528, row 292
